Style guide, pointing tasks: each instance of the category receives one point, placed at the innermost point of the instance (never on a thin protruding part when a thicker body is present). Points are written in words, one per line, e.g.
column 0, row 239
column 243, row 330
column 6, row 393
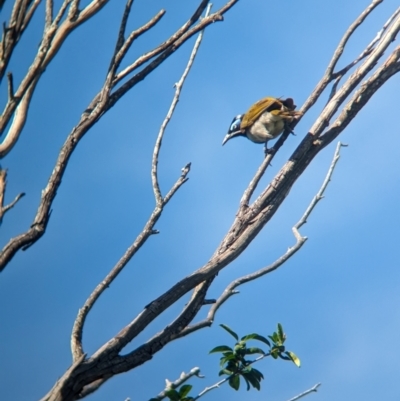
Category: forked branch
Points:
column 21, row 15
column 3, row 182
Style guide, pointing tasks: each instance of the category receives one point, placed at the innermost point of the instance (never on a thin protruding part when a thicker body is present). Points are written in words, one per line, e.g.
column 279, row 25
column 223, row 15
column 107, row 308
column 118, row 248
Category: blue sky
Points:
column 337, row 298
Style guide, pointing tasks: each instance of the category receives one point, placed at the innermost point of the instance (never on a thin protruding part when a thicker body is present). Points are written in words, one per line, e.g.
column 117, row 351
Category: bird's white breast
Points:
column 268, row 126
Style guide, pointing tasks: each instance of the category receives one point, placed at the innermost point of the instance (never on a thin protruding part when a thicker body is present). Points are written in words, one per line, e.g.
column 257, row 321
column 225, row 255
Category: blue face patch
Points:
column 235, row 126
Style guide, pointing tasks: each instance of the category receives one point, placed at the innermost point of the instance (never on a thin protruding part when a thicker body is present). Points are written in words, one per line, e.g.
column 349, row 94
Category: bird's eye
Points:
column 234, row 126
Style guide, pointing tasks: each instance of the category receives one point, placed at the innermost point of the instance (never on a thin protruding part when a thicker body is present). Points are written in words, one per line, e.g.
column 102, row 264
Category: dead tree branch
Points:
column 329, row 74
column 313, row 389
column 53, row 37
column 184, row 377
column 21, row 15
column 3, row 182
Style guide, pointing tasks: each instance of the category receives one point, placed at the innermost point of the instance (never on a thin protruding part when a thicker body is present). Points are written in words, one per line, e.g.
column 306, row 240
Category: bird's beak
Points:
column 226, row 139
column 230, row 136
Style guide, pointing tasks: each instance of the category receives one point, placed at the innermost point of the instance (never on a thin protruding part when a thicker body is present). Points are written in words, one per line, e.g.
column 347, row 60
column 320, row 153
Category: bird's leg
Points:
column 267, row 151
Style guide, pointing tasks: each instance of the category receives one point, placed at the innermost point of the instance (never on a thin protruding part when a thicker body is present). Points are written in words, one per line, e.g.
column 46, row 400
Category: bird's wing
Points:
column 254, row 112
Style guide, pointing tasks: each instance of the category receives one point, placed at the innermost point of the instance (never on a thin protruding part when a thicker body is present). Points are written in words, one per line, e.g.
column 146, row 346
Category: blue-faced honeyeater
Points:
column 264, row 120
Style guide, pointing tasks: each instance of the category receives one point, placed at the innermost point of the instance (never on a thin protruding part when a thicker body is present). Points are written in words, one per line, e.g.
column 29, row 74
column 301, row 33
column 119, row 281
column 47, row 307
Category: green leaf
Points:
column 234, row 382
column 281, row 334
column 255, row 336
column 294, row 358
column 230, row 331
column 184, row 390
column 221, row 348
column 275, row 338
column 254, row 350
column 247, row 383
column 252, row 379
column 173, row 395
column 258, row 374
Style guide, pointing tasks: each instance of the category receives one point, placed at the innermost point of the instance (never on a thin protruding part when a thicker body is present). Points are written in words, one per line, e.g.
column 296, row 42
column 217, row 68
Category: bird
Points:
column 265, row 120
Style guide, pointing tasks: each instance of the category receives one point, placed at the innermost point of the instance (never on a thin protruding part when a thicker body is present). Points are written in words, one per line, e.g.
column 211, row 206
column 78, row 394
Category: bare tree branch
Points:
column 178, row 88
column 159, row 49
column 184, row 377
column 219, row 383
column 122, row 49
column 329, row 74
column 180, row 37
column 10, row 86
column 362, row 96
column 3, row 182
column 338, row 75
column 49, row 13
column 53, row 38
column 21, row 15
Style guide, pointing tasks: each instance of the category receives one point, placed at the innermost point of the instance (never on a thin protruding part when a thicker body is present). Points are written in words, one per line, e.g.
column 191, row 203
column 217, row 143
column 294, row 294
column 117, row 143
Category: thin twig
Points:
column 73, row 11
column 3, row 183
column 12, row 204
column 10, row 86
column 361, row 96
column 366, row 52
column 49, row 13
column 175, row 100
column 218, row 384
column 29, row 14
column 175, row 384
column 52, row 40
column 163, row 46
column 61, row 13
column 313, row 389
column 122, row 28
column 320, row 193
column 370, row 47
column 354, row 80
column 328, row 75
column 19, row 20
column 244, row 202
column 121, row 49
